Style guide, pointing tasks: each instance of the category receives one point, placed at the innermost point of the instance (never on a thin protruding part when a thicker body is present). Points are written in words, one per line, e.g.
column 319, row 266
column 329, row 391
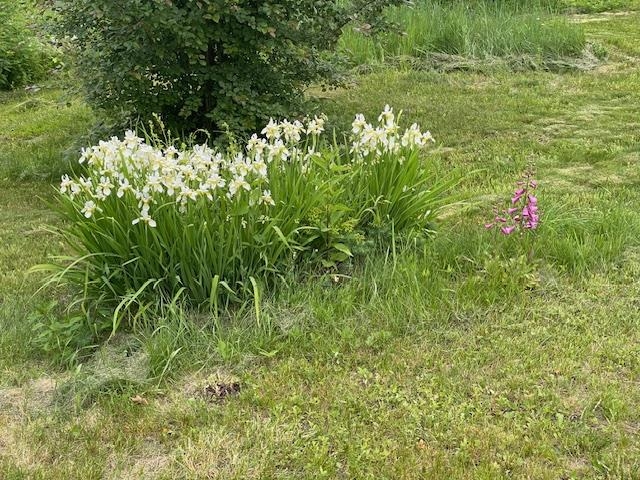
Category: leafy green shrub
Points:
column 22, row 56
column 206, row 63
column 155, row 221
column 64, row 335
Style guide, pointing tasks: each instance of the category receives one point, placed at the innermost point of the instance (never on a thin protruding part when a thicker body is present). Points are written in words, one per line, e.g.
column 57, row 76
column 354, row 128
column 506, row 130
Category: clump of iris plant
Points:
column 167, row 220
column 522, row 214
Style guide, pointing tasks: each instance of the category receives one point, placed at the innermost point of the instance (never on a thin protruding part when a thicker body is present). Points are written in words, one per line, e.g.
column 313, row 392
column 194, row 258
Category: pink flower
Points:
column 517, row 196
column 522, row 212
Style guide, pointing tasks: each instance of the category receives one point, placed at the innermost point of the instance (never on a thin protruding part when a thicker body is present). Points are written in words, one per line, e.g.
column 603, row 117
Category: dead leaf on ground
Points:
column 138, row 400
column 219, row 391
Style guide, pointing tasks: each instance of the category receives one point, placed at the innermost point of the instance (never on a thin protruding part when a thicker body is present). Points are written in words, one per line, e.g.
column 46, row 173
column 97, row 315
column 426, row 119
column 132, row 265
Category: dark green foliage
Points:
column 206, row 63
column 22, row 57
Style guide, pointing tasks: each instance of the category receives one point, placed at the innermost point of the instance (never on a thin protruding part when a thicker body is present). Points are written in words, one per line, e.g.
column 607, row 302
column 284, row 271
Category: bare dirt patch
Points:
column 17, row 406
column 34, row 396
column 15, row 447
column 149, row 461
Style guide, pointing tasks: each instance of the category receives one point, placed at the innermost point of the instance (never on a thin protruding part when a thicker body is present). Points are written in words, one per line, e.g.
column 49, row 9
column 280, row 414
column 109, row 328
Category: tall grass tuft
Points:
column 475, row 30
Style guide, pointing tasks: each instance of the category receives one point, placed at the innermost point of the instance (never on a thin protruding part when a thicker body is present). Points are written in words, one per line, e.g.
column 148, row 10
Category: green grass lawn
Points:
column 468, row 357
